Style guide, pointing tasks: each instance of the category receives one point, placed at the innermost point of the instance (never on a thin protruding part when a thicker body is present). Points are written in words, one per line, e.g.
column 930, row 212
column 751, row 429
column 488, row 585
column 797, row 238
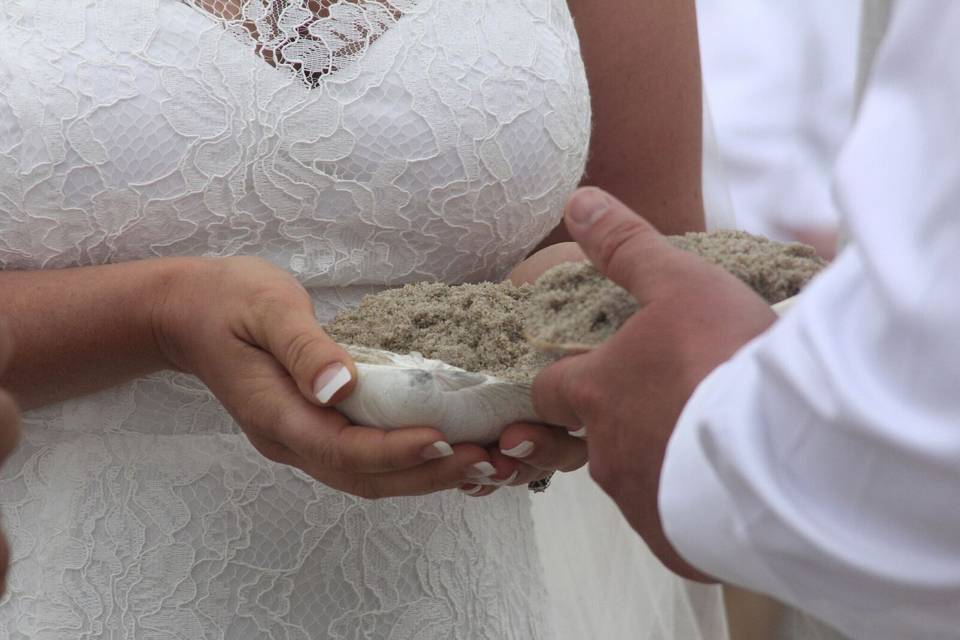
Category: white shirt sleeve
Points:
column 821, row 464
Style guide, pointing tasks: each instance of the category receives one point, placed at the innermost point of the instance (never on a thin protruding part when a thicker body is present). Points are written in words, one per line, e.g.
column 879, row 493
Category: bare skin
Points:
column 643, row 65
column 9, row 434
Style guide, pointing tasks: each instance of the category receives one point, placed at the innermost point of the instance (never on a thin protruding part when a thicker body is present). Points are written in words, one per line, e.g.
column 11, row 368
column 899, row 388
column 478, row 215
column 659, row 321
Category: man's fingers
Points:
column 554, row 393
column 622, row 245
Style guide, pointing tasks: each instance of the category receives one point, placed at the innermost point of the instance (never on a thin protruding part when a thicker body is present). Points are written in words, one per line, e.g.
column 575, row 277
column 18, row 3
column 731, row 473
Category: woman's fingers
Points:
column 528, row 452
column 269, row 407
column 324, row 372
column 478, row 490
column 442, row 474
column 439, row 475
column 357, row 449
column 543, row 447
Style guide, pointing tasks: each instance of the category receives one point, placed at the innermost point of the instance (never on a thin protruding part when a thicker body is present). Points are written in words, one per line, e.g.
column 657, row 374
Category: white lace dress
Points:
column 357, row 145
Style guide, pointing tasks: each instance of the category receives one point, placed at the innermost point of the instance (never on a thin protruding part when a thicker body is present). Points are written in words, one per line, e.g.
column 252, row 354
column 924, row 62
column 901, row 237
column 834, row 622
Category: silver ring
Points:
column 539, row 486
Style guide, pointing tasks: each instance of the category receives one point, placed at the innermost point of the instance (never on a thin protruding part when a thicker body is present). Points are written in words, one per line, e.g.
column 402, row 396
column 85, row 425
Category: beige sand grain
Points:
column 485, row 327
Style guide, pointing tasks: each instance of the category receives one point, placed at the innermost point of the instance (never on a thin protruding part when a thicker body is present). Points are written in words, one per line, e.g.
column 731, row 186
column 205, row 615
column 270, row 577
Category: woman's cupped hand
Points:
column 247, row 329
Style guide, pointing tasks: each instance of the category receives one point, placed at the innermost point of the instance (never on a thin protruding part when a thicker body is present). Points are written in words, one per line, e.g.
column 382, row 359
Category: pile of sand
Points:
column 492, row 328
column 775, row 270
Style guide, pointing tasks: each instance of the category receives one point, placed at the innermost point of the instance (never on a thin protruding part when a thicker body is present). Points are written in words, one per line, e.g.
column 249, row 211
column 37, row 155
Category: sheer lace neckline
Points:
column 313, row 38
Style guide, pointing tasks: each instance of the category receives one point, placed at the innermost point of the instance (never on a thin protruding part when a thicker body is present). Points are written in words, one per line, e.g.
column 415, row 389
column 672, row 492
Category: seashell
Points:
column 395, row 391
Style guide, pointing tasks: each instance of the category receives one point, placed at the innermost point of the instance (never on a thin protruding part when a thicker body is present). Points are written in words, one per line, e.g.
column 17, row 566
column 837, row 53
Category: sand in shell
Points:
column 512, row 332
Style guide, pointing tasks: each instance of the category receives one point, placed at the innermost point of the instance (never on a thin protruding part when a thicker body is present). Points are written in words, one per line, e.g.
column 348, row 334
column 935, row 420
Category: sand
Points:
column 512, row 332
column 775, row 270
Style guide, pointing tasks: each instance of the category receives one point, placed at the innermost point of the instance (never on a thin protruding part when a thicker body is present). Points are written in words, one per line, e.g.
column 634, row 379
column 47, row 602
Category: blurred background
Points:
column 779, row 82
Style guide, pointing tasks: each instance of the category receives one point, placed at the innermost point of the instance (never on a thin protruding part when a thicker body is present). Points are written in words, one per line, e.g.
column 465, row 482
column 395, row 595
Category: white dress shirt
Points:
column 821, row 464
column 780, row 81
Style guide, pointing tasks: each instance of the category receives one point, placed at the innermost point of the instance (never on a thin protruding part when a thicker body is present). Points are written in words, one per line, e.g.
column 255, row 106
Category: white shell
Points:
column 395, row 391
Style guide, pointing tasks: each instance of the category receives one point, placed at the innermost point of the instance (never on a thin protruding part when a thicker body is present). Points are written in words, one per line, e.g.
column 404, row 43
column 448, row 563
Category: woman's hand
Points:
column 247, row 329
column 528, row 452
column 9, row 434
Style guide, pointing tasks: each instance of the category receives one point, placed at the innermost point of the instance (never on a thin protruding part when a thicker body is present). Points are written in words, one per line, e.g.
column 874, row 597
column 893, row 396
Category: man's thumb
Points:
column 622, row 245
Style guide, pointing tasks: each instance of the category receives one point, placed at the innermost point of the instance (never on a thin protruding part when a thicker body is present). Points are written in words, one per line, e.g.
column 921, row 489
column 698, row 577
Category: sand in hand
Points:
column 476, row 348
column 495, row 328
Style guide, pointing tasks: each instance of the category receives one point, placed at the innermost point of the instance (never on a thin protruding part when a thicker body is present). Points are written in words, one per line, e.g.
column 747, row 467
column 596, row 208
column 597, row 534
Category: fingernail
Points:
column 436, row 450
column 482, row 470
column 579, row 433
column 522, row 450
column 471, row 492
column 508, row 480
column 586, row 206
column 331, row 380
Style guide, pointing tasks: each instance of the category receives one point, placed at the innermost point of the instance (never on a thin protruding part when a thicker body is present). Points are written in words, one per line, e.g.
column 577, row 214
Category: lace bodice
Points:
column 443, row 150
column 355, row 144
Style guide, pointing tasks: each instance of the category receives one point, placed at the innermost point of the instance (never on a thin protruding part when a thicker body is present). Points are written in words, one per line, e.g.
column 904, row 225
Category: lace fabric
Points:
column 442, row 152
column 357, row 145
column 312, row 38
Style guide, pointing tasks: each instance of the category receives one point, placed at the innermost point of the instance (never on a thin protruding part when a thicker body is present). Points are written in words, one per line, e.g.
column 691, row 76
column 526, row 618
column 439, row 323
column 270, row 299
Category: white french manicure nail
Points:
column 472, row 492
column 508, row 480
column 579, row 433
column 522, row 450
column 330, row 380
column 436, row 450
column 482, row 470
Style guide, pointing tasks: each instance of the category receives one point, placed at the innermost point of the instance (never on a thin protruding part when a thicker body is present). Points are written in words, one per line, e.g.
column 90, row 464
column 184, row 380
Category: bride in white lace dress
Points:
column 355, row 145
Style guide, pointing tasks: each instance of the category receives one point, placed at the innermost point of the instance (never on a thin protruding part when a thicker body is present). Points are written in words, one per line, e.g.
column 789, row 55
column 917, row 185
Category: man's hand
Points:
column 630, row 391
